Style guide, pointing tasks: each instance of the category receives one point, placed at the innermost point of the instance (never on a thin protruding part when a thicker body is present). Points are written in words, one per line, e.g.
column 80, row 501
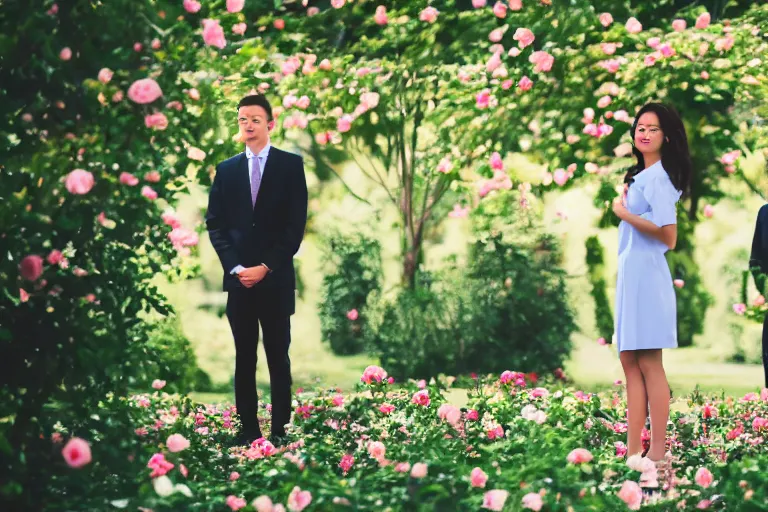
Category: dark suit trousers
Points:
column 246, row 310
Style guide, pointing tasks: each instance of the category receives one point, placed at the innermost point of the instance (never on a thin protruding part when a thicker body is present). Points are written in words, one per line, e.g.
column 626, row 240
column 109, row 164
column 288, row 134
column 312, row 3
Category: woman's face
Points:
column 648, row 135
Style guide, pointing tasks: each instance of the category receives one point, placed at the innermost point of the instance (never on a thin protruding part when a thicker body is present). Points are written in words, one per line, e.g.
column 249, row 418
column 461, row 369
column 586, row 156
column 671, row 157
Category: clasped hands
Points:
column 252, row 275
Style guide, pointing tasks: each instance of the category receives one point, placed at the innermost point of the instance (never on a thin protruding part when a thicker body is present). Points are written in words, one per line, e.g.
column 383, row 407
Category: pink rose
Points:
column 666, row 50
column 386, row 408
column 500, row 10
column 633, row 26
column 653, row 42
column 632, row 494
column 709, row 211
column 213, row 34
column 117, row 97
column 344, row 123
column 137, row 46
column 759, row 300
column 193, row 94
column 279, row 24
column 533, row 501
column 560, row 177
column 144, row 91
column 158, row 384
column 449, row 413
column 263, row 504
column 337, row 4
column 496, row 35
column 325, row 65
column 429, row 14
column 373, row 373
column 494, row 500
column 421, row 398
column 194, row 153
column 65, row 54
column 76, row 453
column 419, row 470
column 148, row 192
column 298, row 500
column 704, row 477
column 31, row 267
column 496, row 162
column 233, row 476
column 105, row 75
column 338, row 400
column 376, row 449
column 181, row 238
column 235, row 503
column 239, row 28
column 542, row 60
column 679, row 283
column 605, row 19
column 303, row 102
column 472, row 415
column 739, row 309
column 478, row 4
column 380, row 17
column 579, row 456
column 604, row 101
column 516, row 5
column 192, row 6
column 152, row 176
column 157, row 121
column 177, row 443
column 493, row 63
column 235, row 5
column 724, row 43
column 649, row 61
column 346, row 463
column 524, row 37
column 352, row 314
column 155, row 44
column 478, row 478
column 608, row 48
column 703, row 20
column 678, row 25
column 54, row 257
column 79, row 182
column 621, row 449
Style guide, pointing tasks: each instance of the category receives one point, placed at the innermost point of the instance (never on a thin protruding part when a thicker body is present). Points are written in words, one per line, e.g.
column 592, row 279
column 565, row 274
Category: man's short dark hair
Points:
column 258, row 100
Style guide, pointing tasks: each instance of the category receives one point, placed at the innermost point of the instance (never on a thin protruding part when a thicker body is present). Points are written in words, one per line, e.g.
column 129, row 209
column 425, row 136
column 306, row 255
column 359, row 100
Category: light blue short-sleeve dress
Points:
column 646, row 308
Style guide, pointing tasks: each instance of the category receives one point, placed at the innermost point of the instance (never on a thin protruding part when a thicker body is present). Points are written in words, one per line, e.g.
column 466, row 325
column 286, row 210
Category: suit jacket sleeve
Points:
column 289, row 241
column 216, row 223
column 756, row 264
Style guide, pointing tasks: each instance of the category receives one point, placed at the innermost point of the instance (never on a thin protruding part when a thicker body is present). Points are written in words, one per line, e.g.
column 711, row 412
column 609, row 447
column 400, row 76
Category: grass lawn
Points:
column 592, row 366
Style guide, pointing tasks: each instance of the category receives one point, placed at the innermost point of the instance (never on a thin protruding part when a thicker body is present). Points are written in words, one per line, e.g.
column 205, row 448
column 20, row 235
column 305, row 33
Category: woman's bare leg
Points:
column 657, row 387
column 637, row 401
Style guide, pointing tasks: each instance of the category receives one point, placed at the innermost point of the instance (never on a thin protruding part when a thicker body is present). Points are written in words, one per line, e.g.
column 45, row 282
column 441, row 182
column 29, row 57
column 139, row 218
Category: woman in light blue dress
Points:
column 646, row 312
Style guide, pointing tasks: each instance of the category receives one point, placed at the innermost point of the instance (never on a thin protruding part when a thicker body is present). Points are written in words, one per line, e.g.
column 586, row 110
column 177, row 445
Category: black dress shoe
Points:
column 278, row 440
column 246, row 438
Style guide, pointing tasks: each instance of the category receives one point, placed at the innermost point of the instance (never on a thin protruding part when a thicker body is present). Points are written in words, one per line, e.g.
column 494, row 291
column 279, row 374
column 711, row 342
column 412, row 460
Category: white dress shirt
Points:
column 262, row 156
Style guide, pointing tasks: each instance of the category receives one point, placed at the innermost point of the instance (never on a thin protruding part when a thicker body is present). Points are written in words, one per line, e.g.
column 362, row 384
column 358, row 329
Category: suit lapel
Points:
column 243, row 183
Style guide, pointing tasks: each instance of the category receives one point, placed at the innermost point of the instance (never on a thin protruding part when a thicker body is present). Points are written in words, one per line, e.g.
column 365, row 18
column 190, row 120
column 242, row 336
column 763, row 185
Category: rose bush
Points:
column 517, row 444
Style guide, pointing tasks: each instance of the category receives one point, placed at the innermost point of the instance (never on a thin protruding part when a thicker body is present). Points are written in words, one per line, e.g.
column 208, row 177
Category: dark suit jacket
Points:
column 269, row 233
column 758, row 258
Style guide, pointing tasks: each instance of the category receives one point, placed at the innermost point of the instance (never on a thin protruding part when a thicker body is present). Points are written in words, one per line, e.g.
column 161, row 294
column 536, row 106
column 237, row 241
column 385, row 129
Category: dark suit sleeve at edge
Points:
column 216, row 224
column 756, row 257
column 288, row 243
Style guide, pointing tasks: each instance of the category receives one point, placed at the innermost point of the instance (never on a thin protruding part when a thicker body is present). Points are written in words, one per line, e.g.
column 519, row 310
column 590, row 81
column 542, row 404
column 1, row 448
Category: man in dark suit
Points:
column 257, row 212
column 758, row 265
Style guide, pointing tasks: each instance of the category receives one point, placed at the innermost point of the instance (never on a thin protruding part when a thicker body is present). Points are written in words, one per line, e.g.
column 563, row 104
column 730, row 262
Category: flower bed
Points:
column 519, row 444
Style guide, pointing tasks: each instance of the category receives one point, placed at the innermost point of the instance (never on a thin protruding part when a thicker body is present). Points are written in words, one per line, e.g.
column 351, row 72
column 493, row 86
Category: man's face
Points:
column 254, row 125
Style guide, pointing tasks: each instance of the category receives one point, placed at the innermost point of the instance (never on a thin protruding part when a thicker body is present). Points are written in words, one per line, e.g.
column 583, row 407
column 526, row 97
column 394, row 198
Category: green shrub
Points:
column 507, row 308
column 596, row 266
column 356, row 272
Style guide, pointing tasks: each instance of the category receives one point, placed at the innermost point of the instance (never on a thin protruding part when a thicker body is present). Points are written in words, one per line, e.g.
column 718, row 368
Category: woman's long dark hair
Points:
column 675, row 156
